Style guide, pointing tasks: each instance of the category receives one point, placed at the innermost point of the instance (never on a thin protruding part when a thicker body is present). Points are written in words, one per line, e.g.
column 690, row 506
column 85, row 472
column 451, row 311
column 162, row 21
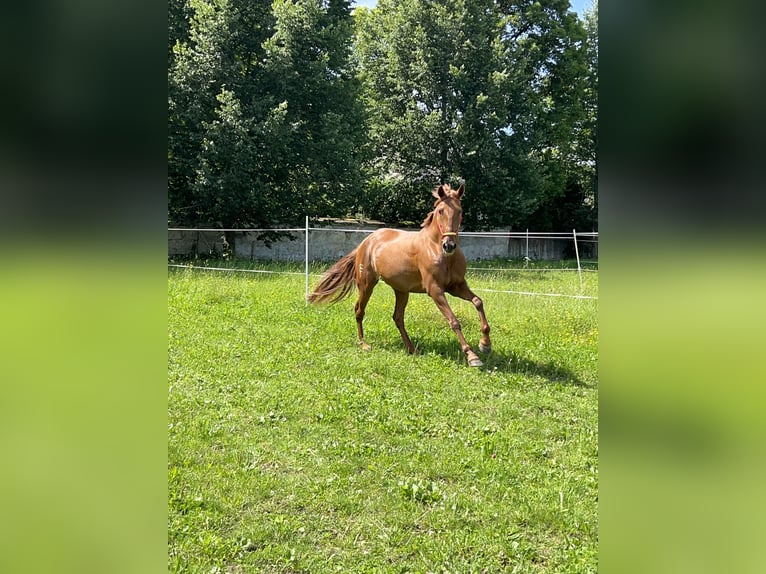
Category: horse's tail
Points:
column 337, row 282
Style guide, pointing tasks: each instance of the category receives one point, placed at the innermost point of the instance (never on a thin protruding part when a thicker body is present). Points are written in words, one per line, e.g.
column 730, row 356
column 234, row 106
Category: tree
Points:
column 424, row 66
column 309, row 66
column 570, row 129
column 588, row 132
column 263, row 124
column 281, row 108
column 485, row 91
column 179, row 14
column 212, row 73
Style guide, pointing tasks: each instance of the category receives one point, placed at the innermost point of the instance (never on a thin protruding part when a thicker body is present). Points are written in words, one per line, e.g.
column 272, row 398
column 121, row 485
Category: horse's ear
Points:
column 438, row 192
column 461, row 189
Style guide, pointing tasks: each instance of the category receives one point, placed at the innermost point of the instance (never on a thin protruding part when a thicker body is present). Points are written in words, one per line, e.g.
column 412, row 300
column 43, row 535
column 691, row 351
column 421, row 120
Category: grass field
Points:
column 292, row 450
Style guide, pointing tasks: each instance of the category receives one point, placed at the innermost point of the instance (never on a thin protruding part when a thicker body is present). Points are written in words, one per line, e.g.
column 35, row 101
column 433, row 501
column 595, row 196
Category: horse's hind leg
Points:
column 401, row 303
column 365, row 284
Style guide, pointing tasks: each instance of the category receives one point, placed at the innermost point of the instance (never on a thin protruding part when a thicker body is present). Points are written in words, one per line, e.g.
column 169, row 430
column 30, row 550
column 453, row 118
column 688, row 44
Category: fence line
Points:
column 526, row 269
column 195, row 267
column 574, row 236
column 239, row 270
column 342, row 230
column 532, row 235
column 244, row 230
column 537, row 294
column 509, row 234
column 204, row 268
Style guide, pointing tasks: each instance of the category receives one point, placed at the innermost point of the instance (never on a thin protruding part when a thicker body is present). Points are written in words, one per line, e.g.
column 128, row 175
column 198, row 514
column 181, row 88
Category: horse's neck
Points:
column 431, row 231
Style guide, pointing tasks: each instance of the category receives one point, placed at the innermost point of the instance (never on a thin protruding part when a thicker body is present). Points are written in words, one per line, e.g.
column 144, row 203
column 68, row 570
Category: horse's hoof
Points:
column 364, row 346
column 475, row 362
column 486, row 350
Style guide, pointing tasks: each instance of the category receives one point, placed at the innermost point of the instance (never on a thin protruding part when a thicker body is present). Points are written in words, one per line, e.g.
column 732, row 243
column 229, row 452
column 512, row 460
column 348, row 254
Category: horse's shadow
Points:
column 511, row 362
column 504, row 361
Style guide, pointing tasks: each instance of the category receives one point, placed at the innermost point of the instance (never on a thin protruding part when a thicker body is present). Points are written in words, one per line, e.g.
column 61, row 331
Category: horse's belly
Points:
column 411, row 284
column 395, row 262
column 402, row 274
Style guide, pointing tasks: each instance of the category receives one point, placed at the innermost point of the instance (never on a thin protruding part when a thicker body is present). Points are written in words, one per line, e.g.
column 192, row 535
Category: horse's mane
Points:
column 430, row 217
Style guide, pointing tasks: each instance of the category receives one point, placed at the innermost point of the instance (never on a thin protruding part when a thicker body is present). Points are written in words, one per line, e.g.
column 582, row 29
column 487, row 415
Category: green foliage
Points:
column 300, row 107
column 291, row 449
column 264, row 124
column 492, row 93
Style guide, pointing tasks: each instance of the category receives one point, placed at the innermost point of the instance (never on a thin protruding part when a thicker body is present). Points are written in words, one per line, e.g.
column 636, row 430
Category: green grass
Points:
column 292, row 450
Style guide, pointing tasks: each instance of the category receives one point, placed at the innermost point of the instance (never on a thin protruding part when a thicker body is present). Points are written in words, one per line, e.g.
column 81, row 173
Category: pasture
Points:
column 290, row 449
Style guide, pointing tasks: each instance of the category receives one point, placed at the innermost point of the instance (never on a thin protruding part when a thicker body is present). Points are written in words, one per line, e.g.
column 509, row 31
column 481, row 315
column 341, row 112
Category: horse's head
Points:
column 448, row 214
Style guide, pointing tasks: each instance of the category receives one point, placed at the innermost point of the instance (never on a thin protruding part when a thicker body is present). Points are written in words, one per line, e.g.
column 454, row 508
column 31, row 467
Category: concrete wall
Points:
column 334, row 241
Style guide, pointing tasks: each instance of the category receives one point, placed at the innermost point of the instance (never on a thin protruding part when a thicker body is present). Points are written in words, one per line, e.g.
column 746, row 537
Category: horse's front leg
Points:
column 464, row 292
column 441, row 302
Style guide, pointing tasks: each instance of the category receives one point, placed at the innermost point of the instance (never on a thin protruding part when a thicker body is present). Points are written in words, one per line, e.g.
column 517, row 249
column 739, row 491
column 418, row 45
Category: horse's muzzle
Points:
column 449, row 245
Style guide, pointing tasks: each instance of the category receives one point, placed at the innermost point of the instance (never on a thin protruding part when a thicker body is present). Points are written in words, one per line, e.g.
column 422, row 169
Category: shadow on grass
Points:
column 517, row 364
column 506, row 362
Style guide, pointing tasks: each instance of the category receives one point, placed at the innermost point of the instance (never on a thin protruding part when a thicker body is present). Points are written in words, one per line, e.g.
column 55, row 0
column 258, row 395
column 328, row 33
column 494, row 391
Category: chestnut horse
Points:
column 426, row 261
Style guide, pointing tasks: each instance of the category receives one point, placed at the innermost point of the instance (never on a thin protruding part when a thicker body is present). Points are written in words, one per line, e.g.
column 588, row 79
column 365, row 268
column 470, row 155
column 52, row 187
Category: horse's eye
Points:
column 441, row 211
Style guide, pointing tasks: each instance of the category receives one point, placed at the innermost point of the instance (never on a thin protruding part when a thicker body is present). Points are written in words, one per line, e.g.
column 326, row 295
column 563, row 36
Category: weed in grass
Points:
column 420, row 491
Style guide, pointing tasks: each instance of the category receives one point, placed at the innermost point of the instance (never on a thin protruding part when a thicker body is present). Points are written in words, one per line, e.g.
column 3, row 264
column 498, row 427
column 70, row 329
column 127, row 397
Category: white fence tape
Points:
column 307, row 230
